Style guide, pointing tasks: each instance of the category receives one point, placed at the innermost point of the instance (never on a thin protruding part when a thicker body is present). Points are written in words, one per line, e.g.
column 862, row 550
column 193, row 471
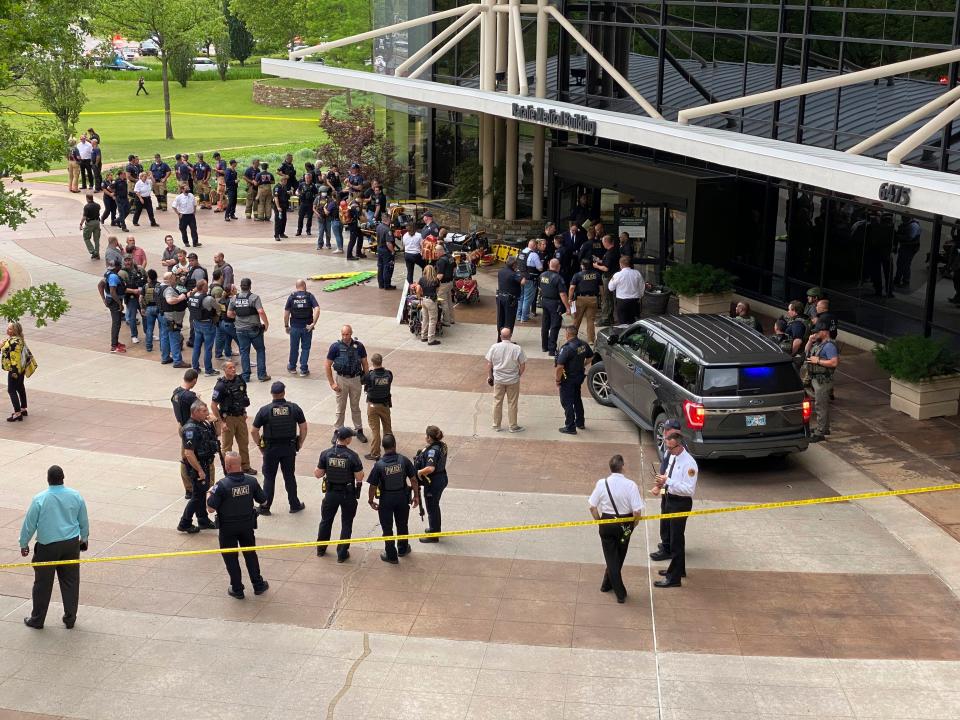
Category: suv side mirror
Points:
column 613, row 339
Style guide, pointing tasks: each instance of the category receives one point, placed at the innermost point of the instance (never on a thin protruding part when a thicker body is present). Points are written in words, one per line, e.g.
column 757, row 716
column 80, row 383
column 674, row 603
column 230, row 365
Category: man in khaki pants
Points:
column 229, row 406
column 345, row 366
column 377, row 383
column 505, row 364
column 585, row 292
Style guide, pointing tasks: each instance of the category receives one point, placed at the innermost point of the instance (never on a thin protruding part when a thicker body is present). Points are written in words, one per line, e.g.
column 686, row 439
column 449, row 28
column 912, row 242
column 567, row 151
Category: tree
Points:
column 44, row 303
column 171, row 24
column 222, row 43
column 241, row 41
column 276, row 26
column 181, row 63
column 354, row 138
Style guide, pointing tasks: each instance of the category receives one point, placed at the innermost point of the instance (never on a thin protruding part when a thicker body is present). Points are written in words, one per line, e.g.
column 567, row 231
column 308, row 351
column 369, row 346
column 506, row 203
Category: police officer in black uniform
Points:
column 230, row 180
column 431, row 464
column 281, row 420
column 571, row 368
column 281, row 203
column 200, row 446
column 307, row 193
column 388, row 484
column 182, row 400
column 553, row 300
column 509, row 286
column 386, row 254
column 341, row 470
column 232, row 500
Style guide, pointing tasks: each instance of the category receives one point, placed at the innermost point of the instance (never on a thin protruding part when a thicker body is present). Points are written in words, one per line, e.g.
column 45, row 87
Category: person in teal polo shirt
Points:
column 58, row 517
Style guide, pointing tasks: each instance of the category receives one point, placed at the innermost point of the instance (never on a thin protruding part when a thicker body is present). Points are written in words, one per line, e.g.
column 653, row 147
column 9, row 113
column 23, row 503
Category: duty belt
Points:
column 506, row 295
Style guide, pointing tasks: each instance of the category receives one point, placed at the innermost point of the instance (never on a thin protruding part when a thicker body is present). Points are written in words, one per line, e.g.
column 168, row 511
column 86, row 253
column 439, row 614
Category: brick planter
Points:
column 937, row 397
column 287, row 97
column 705, row 303
column 462, row 220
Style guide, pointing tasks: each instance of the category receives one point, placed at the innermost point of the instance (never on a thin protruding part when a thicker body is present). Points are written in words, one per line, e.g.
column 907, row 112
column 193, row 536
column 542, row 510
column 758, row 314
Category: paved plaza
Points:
column 831, row 611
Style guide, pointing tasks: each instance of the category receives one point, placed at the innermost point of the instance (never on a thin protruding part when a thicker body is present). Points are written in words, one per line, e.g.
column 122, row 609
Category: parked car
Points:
column 118, row 63
column 129, row 53
column 736, row 394
column 149, row 47
column 204, row 64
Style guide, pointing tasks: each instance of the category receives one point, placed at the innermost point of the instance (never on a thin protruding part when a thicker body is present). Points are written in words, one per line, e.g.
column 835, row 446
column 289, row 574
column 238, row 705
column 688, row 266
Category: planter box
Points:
column 938, row 397
column 710, row 304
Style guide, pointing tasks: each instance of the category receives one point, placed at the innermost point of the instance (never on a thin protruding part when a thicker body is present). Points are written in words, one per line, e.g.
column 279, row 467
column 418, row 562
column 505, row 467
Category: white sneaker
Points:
column 337, row 251
column 136, row 341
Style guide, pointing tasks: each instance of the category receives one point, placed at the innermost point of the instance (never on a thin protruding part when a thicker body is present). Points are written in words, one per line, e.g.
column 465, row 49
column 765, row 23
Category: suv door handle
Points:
column 654, row 385
column 631, row 366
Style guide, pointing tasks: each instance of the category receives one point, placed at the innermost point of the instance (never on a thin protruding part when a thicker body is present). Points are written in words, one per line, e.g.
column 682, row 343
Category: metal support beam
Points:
column 520, row 60
column 831, row 83
column 487, row 83
column 602, row 62
column 502, row 21
column 464, row 31
column 905, row 122
column 405, row 66
column 511, row 144
column 406, row 25
column 525, row 8
column 540, row 89
column 942, row 119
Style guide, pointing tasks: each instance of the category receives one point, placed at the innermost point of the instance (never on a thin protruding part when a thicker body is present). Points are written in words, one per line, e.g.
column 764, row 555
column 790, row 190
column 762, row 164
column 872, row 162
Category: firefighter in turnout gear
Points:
column 392, row 497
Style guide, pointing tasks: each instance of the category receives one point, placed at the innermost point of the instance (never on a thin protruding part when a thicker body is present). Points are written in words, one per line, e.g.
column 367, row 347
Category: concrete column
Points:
column 487, row 82
column 539, row 132
column 512, row 136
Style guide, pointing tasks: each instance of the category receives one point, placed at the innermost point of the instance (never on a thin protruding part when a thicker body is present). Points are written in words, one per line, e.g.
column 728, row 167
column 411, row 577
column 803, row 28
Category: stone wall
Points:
column 289, row 97
column 462, row 220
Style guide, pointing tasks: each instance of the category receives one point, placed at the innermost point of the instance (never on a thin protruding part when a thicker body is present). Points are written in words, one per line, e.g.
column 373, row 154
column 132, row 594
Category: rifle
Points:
column 420, row 500
column 418, row 464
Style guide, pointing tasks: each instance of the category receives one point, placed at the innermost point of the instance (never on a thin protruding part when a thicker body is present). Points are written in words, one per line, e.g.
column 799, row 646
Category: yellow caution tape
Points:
column 493, row 530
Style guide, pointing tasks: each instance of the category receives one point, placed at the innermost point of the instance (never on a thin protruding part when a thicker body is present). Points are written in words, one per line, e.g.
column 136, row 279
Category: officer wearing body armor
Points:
column 203, row 310
column 232, row 500
column 585, row 294
column 780, row 336
column 250, row 324
column 341, row 471
column 377, row 383
column 200, row 448
column 284, row 432
column 300, row 316
column 392, row 497
column 386, row 254
column 510, row 284
column 182, row 400
column 822, row 360
column 229, row 404
column 345, row 366
column 431, row 465
column 571, row 369
column 306, row 194
column 553, row 294
column 281, row 203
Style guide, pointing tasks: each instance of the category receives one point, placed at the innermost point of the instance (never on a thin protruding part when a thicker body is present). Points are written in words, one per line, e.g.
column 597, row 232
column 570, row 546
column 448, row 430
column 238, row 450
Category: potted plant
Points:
column 924, row 377
column 701, row 288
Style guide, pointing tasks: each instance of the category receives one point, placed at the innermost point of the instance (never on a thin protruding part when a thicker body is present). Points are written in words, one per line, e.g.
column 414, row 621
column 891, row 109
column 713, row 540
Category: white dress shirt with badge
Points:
column 185, row 204
column 682, row 473
column 625, row 493
column 144, row 188
column 627, row 284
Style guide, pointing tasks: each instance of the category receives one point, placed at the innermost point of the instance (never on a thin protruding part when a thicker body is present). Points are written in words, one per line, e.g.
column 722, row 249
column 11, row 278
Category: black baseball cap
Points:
column 670, row 424
column 344, row 433
column 277, row 388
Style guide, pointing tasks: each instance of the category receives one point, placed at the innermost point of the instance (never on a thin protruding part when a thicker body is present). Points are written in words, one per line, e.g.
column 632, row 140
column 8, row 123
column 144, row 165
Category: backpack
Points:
column 344, row 212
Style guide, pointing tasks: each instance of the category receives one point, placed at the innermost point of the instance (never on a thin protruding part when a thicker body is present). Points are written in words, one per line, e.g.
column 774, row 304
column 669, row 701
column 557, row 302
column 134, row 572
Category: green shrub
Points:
column 914, row 358
column 697, row 279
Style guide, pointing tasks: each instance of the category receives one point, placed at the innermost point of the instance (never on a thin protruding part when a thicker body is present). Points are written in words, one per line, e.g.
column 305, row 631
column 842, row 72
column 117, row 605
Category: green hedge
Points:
column 914, row 358
column 156, row 75
column 697, row 279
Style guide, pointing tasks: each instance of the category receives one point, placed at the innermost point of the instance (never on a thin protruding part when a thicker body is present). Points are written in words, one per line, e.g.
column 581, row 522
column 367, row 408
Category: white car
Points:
column 204, row 64
column 129, row 53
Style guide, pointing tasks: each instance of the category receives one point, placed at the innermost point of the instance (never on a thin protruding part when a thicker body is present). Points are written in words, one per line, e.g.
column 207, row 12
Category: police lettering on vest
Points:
column 233, row 498
column 391, row 472
column 199, row 313
column 243, row 305
column 572, row 356
column 378, row 385
column 347, row 362
column 282, row 426
column 550, row 285
column 339, row 464
column 300, row 307
column 587, row 282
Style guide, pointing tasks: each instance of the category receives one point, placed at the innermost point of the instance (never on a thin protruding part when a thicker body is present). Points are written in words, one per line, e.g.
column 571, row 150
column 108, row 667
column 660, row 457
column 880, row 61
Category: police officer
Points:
column 232, row 500
column 509, row 287
column 822, row 360
column 203, row 326
column 281, row 203
column 307, row 193
column 288, row 170
column 264, row 192
column 229, row 404
column 279, row 445
column 200, row 447
column 182, row 399
column 386, row 254
column 431, row 464
column 300, row 316
column 553, row 294
column 571, row 368
column 797, row 326
column 780, row 336
column 250, row 175
column 201, row 176
column 161, row 173
column 388, row 484
column 377, row 383
column 813, row 297
column 230, row 180
column 341, row 470
column 429, row 226
column 585, row 293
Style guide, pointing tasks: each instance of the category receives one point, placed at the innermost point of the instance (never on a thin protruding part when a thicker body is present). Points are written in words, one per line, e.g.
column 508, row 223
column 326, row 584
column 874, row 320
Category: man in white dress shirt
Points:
column 679, row 483
column 616, row 496
column 627, row 285
column 185, row 205
column 144, row 192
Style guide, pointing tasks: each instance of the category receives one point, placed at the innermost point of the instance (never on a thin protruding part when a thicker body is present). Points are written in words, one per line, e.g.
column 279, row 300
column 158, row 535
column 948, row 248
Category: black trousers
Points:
column 664, row 525
column 431, row 498
column 412, row 261
column 550, row 324
column 123, row 209
column 86, row 174
column 506, row 313
column 284, row 458
column 395, row 507
column 231, row 209
column 240, row 537
column 626, row 310
column 614, row 553
column 279, row 221
column 116, row 319
column 98, row 176
column 17, row 391
column 197, row 504
column 385, row 266
column 188, row 221
column 109, row 210
column 572, row 403
column 355, row 246
column 67, row 575
column 305, row 217
column 344, row 499
column 144, row 204
column 678, row 526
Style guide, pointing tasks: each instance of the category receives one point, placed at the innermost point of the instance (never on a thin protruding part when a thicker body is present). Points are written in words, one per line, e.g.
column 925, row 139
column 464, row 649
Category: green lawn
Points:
column 224, row 117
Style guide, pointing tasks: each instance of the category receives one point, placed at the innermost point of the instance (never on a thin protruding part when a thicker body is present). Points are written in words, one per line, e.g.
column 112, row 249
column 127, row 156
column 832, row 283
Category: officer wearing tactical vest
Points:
column 284, row 432
column 347, row 358
column 250, row 323
column 509, row 288
column 585, row 293
column 306, row 193
column 431, row 464
column 388, row 484
column 281, row 203
column 264, row 193
column 571, row 368
column 182, row 399
column 200, row 447
column 203, row 322
column 377, row 383
column 300, row 316
column 229, row 404
column 797, row 326
column 822, row 360
column 553, row 294
column 780, row 336
column 232, row 500
column 341, row 470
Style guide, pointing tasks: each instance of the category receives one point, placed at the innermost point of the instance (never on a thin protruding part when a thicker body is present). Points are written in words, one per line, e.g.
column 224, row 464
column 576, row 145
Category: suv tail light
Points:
column 695, row 415
column 807, row 409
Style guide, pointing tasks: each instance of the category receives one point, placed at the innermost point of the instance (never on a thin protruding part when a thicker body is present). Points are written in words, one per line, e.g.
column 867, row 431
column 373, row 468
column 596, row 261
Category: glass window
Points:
column 719, row 382
column 753, row 380
column 685, row 372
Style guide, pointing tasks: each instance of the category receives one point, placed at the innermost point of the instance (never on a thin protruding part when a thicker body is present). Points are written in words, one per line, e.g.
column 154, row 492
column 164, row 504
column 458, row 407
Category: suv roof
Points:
column 716, row 339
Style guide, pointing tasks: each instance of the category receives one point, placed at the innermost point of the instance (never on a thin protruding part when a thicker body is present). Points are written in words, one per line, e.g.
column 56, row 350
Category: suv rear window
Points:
column 753, row 380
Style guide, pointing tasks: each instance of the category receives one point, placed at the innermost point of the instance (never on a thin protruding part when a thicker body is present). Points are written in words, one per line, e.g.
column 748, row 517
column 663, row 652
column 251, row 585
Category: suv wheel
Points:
column 658, row 442
column 599, row 384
